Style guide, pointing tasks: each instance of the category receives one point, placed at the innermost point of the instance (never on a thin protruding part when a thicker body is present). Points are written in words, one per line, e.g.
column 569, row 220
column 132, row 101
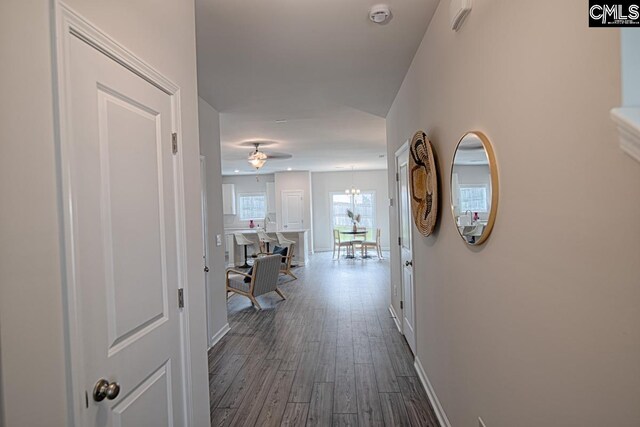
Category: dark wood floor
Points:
column 328, row 355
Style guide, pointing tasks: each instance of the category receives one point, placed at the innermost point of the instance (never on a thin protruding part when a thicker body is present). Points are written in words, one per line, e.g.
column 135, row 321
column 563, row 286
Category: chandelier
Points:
column 353, row 191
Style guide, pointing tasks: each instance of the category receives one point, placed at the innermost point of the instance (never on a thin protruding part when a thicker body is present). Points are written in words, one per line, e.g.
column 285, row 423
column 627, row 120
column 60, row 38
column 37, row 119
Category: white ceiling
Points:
column 320, row 65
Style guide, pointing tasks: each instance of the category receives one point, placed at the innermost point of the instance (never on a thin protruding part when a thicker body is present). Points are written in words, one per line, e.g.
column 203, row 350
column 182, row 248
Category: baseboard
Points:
column 431, row 394
column 218, row 335
column 395, row 318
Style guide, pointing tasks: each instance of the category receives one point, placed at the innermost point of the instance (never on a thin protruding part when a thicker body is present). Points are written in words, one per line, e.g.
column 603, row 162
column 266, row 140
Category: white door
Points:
column 406, row 252
column 124, row 233
column 292, row 209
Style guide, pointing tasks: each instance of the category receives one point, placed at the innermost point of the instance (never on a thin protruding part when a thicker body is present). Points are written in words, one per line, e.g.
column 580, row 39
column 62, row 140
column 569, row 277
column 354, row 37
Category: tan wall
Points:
column 31, row 292
column 540, row 326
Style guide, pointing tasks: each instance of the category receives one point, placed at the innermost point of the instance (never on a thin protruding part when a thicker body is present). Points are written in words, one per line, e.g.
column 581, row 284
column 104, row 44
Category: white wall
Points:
column 247, row 184
column 209, row 121
column 34, row 374
column 31, row 310
column 324, row 183
column 539, row 326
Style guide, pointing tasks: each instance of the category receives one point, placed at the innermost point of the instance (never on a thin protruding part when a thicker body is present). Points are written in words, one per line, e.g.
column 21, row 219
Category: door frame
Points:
column 67, row 24
column 404, row 147
column 205, row 239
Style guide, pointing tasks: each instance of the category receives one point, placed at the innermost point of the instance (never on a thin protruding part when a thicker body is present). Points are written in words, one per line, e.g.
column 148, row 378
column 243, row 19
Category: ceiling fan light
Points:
column 257, row 163
column 258, row 155
column 257, row 159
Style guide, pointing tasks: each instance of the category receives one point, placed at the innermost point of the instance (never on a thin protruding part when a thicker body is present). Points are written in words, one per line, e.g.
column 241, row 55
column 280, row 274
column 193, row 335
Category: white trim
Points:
column 402, row 148
column 431, row 394
column 68, row 23
column 395, row 318
column 205, row 233
column 218, row 336
column 400, row 151
column 628, row 121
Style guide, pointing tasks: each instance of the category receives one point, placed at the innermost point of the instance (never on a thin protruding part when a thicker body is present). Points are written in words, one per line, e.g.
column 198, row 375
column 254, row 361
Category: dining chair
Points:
column 338, row 244
column 372, row 244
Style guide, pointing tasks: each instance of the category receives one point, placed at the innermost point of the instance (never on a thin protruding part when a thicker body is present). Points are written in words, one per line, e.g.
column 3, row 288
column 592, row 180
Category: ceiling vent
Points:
column 380, row 13
column 458, row 11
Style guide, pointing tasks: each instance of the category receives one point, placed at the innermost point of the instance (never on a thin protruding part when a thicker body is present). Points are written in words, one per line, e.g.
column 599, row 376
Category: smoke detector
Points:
column 380, row 13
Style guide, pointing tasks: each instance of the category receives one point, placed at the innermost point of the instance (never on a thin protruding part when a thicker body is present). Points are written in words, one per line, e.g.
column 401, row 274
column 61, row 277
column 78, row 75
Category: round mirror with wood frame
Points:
column 474, row 188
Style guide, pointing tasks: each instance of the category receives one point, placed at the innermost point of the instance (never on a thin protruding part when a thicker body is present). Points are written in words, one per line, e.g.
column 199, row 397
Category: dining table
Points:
column 353, row 234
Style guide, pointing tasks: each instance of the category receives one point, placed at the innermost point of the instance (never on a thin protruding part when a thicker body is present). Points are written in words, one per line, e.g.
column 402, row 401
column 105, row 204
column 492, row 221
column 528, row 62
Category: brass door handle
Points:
column 106, row 389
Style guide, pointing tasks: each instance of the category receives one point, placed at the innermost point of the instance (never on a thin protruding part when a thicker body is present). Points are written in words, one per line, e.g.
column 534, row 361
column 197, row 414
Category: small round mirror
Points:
column 474, row 188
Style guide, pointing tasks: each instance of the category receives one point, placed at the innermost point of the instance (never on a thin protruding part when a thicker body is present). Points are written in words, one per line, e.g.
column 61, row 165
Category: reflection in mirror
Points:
column 474, row 180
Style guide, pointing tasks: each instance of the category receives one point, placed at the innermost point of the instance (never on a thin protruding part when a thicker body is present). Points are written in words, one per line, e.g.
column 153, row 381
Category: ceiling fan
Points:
column 258, row 158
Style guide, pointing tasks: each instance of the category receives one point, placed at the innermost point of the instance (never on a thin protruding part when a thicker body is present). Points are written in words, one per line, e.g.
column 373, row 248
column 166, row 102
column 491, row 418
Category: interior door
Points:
column 292, row 209
column 406, row 252
column 124, row 233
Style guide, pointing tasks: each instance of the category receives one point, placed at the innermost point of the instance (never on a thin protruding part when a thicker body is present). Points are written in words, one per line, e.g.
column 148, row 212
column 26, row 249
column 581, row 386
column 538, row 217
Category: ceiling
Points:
column 315, row 77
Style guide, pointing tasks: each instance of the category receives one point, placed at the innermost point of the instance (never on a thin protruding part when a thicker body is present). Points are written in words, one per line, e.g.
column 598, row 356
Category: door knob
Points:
column 408, row 263
column 106, row 389
column 206, row 269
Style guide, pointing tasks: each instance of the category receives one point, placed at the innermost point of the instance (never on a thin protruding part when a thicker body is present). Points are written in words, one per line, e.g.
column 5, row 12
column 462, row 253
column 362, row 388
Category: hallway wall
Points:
column 539, row 326
column 31, row 283
column 209, row 122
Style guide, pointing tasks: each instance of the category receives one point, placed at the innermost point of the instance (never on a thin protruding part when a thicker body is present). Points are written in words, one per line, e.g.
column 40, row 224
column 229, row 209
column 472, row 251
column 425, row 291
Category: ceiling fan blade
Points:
column 278, row 156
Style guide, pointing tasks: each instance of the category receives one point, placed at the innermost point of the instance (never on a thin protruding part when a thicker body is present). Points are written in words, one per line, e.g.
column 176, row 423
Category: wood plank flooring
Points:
column 328, row 355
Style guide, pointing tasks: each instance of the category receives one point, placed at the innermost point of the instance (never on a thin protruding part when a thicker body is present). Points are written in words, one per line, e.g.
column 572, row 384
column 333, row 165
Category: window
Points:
column 363, row 204
column 252, row 206
column 473, row 198
column 627, row 117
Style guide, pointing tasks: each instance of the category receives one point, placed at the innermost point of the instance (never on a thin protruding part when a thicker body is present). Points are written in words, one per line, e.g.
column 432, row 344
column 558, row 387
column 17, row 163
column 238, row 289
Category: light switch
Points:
column 218, row 240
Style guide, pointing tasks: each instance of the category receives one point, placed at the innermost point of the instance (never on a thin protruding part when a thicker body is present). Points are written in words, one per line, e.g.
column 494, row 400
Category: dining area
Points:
column 356, row 243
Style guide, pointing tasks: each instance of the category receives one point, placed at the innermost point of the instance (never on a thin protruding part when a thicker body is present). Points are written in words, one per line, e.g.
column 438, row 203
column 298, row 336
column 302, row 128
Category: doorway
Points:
column 407, row 302
column 123, row 216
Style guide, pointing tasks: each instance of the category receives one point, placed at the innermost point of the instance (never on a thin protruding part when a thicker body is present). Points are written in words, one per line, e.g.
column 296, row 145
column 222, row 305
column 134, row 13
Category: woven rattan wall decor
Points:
column 423, row 181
